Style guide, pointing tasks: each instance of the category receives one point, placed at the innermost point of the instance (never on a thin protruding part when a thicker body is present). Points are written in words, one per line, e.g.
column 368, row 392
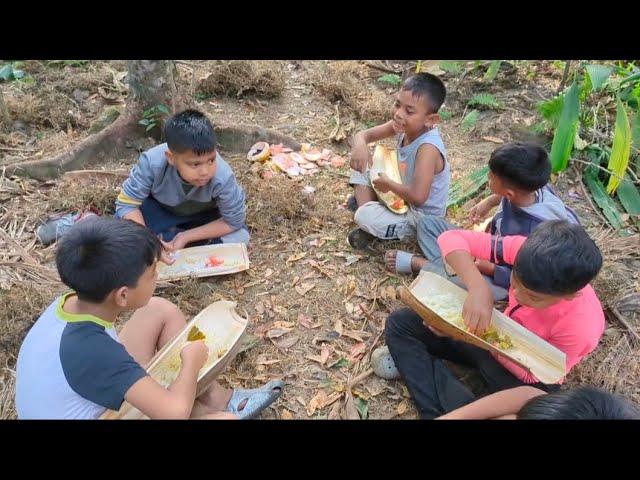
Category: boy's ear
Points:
column 432, row 119
column 510, row 194
column 170, row 157
column 121, row 297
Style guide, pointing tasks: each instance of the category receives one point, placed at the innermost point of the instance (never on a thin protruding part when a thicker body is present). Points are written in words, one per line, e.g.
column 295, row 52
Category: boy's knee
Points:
column 363, row 216
column 399, row 323
column 239, row 236
column 165, row 309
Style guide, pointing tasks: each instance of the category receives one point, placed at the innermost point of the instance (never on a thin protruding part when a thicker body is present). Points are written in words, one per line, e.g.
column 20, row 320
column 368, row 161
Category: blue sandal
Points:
column 254, row 400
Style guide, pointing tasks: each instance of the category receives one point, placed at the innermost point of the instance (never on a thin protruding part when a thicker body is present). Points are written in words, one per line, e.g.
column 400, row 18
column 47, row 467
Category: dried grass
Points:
column 347, row 82
column 264, row 79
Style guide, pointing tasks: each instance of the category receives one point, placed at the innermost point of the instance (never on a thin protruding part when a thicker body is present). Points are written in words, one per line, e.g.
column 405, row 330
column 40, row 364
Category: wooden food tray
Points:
column 386, row 160
column 531, row 352
column 223, row 328
column 192, row 261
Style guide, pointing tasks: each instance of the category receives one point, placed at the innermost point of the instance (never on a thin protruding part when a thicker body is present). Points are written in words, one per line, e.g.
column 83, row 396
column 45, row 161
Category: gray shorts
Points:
column 375, row 218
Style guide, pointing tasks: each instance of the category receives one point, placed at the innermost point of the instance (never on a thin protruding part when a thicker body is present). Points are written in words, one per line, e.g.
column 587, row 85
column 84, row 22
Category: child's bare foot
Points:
column 416, row 262
column 202, row 412
column 216, row 398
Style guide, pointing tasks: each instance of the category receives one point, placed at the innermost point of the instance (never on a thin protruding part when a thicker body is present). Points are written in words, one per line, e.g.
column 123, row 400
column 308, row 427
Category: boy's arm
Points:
column 230, row 201
column 360, row 154
column 482, row 245
column 458, row 248
column 215, row 229
column 176, row 402
column 417, row 192
column 478, row 306
column 499, row 404
column 480, row 211
column 135, row 215
column 135, row 189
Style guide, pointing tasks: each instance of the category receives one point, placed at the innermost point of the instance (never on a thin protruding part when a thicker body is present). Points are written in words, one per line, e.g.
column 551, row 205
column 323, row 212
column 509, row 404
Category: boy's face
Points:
column 529, row 298
column 196, row 170
column 411, row 114
column 140, row 295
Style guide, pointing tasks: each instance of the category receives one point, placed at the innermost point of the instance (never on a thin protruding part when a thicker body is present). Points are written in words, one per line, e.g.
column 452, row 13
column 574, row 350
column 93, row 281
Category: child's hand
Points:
column 478, row 307
column 480, row 211
column 194, row 353
column 179, row 241
column 167, row 250
column 382, row 183
column 166, row 257
column 485, row 267
column 360, row 157
column 359, row 162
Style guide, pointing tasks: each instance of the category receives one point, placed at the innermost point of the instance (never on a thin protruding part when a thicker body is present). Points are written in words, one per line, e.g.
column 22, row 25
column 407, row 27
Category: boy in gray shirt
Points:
column 183, row 190
column 422, row 162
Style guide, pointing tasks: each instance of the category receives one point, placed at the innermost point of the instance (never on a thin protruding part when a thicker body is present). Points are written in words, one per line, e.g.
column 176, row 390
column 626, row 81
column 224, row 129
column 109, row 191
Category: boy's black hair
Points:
column 582, row 403
column 99, row 255
column 190, row 130
column 427, row 86
column 558, row 258
column 523, row 165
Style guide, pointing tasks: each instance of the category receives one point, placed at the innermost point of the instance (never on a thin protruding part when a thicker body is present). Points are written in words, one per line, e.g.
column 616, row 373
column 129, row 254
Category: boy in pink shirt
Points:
column 550, row 295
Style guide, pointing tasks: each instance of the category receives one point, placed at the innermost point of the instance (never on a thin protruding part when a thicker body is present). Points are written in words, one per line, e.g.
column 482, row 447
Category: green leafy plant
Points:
column 451, row 66
column 153, row 116
column 69, row 63
column 621, row 150
column 492, row 71
column 343, row 362
column 469, row 121
column 484, row 100
column 566, row 131
column 596, row 76
column 391, row 79
column 445, row 114
column 581, row 118
column 551, row 110
column 362, row 407
column 201, row 96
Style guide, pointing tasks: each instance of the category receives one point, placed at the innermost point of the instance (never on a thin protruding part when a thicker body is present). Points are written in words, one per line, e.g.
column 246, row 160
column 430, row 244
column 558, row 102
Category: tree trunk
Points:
column 151, row 82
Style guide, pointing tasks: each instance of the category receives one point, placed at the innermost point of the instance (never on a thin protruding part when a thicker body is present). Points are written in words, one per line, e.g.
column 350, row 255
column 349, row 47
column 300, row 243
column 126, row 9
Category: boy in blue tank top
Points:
column 422, row 162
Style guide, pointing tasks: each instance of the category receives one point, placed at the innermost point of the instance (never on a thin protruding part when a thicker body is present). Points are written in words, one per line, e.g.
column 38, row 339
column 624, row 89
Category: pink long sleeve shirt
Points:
column 574, row 327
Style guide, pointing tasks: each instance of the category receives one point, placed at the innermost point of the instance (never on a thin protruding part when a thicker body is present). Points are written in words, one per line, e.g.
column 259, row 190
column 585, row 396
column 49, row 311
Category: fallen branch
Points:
column 624, row 323
column 359, row 378
column 382, row 69
column 16, row 149
column 42, row 272
column 26, row 256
